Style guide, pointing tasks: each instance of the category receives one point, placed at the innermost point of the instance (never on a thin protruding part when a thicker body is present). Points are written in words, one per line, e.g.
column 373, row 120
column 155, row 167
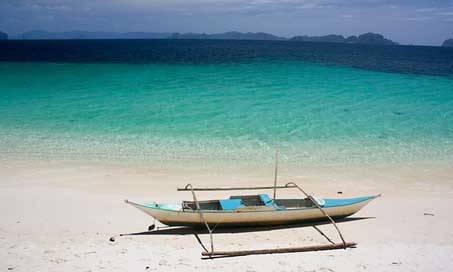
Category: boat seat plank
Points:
column 266, row 200
column 231, row 204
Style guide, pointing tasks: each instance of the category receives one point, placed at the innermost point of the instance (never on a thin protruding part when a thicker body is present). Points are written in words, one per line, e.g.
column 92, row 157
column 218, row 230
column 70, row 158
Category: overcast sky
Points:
column 427, row 22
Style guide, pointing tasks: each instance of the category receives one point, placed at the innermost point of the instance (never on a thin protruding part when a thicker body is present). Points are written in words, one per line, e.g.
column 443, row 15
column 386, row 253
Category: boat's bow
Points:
column 337, row 202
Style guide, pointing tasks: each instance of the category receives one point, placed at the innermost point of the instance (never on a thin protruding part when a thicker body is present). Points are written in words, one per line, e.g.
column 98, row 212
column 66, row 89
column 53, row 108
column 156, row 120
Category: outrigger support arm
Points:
column 201, row 215
column 320, row 208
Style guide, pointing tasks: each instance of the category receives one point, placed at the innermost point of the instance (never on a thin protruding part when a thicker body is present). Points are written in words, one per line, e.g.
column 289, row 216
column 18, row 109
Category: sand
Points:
column 59, row 216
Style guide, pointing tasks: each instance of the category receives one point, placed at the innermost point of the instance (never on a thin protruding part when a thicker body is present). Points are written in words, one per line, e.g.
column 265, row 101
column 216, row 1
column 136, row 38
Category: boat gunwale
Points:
column 365, row 198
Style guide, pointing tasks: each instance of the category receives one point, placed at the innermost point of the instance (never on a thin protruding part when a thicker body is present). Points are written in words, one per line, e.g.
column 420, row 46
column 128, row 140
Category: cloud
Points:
column 221, row 6
column 445, row 13
column 415, row 19
column 426, row 9
column 226, row 7
column 183, row 6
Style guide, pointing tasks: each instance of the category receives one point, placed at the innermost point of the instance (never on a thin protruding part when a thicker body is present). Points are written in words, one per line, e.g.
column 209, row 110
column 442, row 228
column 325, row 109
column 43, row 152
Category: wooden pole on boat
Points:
column 275, row 176
column 278, row 250
column 235, row 188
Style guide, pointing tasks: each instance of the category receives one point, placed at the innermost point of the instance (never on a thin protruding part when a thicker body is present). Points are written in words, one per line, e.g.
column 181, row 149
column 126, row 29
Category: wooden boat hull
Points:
column 336, row 208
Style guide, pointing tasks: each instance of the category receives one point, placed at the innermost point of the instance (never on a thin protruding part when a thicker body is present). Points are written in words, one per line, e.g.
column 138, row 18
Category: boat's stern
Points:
column 155, row 209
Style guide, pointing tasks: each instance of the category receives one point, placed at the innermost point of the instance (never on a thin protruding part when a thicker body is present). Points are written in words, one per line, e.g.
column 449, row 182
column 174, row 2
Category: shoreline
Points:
column 378, row 175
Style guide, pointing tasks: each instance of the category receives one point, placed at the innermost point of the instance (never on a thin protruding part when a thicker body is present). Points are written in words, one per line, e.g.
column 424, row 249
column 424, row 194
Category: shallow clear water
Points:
column 223, row 113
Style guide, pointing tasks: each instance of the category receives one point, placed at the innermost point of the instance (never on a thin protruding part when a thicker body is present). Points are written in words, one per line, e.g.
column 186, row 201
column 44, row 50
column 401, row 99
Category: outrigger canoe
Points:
column 251, row 210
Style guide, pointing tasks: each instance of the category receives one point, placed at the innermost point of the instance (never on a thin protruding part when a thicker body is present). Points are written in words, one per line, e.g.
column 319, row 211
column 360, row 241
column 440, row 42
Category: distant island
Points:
column 367, row 38
column 448, row 43
column 231, row 35
column 3, row 36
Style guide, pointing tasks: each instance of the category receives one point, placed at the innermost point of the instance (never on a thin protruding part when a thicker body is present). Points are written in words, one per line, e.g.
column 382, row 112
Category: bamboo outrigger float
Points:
column 254, row 210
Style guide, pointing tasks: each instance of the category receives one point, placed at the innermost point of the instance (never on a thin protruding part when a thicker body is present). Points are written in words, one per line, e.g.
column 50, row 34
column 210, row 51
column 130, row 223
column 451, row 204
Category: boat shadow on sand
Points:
column 220, row 230
column 247, row 229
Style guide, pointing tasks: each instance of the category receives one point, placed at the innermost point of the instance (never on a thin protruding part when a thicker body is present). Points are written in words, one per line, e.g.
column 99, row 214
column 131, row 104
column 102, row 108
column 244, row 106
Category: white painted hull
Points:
column 259, row 216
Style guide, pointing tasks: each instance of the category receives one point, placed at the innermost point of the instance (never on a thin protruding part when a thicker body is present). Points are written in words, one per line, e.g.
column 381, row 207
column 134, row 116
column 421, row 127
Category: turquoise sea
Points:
column 233, row 112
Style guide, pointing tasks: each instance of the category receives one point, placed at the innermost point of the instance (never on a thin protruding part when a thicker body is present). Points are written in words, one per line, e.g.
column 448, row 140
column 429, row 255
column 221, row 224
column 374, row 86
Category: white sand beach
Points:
column 59, row 216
